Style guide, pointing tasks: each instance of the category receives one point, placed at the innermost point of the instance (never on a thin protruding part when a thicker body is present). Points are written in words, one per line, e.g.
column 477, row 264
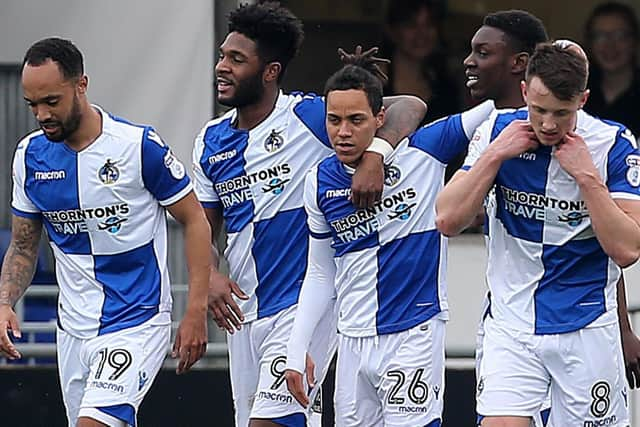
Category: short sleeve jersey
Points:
column 103, row 210
column 390, row 259
column 546, row 271
column 256, row 178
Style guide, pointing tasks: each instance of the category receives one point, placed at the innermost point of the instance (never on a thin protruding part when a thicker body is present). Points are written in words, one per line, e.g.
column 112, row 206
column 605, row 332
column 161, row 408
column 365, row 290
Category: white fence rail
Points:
column 216, row 356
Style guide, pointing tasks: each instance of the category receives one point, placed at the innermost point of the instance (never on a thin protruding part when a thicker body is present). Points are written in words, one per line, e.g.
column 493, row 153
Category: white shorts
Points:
column 392, row 380
column 106, row 377
column 583, row 370
column 540, row 417
column 257, row 357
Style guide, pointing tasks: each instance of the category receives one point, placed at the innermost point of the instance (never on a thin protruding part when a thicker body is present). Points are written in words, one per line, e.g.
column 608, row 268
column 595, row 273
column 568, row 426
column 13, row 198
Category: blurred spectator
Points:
column 612, row 41
column 413, row 42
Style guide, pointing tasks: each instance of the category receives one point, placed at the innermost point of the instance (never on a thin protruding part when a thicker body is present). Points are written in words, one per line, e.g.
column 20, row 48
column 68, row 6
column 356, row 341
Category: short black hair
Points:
column 356, row 77
column 276, row 31
column 563, row 71
column 523, row 29
column 61, row 51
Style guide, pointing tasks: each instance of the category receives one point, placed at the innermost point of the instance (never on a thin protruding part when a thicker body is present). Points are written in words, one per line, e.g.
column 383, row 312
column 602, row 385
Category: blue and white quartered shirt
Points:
column 390, row 259
column 102, row 208
column 257, row 178
column 547, row 273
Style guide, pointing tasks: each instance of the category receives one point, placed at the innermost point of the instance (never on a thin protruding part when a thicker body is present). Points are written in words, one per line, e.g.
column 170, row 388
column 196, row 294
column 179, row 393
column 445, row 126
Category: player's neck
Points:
column 249, row 116
column 512, row 99
column 90, row 128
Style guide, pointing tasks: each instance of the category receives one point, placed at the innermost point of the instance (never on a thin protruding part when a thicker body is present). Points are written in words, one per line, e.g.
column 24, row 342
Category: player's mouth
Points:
column 345, row 148
column 548, row 136
column 472, row 80
column 50, row 127
column 223, row 85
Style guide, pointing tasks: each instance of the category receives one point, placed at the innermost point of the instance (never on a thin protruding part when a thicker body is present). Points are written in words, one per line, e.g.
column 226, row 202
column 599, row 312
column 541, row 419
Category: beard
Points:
column 67, row 127
column 247, row 92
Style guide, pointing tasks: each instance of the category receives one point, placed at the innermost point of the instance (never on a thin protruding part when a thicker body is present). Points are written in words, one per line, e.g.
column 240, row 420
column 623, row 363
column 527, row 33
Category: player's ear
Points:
column 272, row 71
column 523, row 89
column 82, row 84
column 585, row 96
column 519, row 64
column 380, row 118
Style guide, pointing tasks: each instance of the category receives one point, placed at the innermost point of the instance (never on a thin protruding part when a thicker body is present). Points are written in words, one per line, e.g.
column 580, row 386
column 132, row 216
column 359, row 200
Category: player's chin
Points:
column 549, row 140
column 477, row 93
column 226, row 99
column 348, row 158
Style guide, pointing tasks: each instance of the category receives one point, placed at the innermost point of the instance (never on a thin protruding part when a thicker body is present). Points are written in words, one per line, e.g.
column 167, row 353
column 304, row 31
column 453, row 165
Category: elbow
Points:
column 447, row 226
column 417, row 104
column 626, row 258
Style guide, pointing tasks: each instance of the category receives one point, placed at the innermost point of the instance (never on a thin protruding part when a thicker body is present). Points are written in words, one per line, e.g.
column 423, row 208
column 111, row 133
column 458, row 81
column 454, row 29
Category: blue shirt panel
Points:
column 570, row 294
column 56, row 195
column 408, row 278
column 280, row 249
column 131, row 296
column 227, row 175
column 311, row 111
column 352, row 229
column 444, row 139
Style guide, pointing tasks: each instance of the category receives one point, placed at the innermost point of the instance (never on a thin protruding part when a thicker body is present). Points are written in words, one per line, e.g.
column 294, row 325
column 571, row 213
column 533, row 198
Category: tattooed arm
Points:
column 18, row 268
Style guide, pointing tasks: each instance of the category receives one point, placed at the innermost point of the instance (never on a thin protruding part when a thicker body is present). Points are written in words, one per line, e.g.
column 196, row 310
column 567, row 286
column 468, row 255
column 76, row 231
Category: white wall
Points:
column 149, row 61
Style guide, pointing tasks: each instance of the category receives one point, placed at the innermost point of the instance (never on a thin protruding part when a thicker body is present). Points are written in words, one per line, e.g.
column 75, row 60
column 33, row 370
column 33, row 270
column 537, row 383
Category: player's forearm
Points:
column 403, row 115
column 316, row 296
column 617, row 232
column 623, row 315
column 18, row 269
column 199, row 262
column 19, row 263
column 461, row 199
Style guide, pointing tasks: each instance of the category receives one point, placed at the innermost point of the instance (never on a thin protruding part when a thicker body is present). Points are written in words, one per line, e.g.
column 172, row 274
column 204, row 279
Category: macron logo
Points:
column 222, row 156
column 50, row 175
column 341, row 192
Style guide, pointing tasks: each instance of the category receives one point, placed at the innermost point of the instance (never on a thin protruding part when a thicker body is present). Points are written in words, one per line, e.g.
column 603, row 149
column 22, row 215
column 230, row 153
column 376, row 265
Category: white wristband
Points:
column 380, row 146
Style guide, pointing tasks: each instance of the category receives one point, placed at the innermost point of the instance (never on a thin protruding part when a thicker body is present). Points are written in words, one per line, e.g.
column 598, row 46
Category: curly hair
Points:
column 276, row 31
column 523, row 29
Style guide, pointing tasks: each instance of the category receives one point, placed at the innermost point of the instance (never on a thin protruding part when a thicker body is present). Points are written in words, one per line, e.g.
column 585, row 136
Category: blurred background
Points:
column 151, row 61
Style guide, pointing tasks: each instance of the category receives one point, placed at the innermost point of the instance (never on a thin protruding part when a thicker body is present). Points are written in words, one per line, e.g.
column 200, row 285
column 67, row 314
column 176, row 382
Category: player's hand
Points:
column 518, row 137
column 368, row 180
column 573, row 155
column 226, row 312
column 309, row 369
column 631, row 351
column 367, row 60
column 295, row 384
column 9, row 322
column 191, row 339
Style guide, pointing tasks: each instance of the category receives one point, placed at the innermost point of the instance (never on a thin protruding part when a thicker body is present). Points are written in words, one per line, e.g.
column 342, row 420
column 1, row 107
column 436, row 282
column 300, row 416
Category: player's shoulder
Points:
column 217, row 128
column 592, row 126
column 33, row 138
column 303, row 104
column 124, row 130
column 500, row 118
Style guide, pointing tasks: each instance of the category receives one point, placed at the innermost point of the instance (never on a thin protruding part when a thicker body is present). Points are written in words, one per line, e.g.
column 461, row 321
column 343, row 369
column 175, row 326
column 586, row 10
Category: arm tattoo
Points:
column 401, row 118
column 19, row 262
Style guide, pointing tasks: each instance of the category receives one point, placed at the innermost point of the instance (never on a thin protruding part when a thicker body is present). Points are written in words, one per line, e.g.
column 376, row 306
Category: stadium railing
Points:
column 33, row 351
